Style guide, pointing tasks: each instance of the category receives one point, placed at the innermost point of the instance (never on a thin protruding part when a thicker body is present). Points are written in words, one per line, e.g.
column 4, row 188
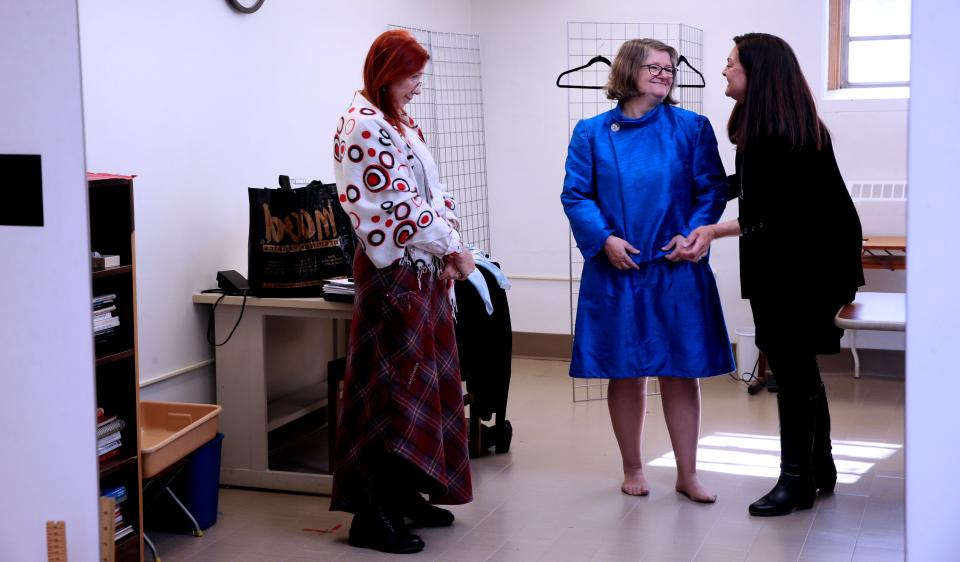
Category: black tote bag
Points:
column 298, row 239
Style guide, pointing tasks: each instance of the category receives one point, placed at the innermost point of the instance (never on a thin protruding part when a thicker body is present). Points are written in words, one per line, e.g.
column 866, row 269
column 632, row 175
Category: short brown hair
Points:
column 394, row 56
column 622, row 84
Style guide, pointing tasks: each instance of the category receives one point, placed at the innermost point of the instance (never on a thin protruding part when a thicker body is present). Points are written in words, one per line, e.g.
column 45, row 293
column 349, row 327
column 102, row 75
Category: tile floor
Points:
column 555, row 496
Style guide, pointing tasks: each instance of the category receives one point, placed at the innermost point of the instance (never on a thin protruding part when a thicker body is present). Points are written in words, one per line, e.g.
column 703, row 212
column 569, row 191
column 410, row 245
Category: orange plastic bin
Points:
column 169, row 431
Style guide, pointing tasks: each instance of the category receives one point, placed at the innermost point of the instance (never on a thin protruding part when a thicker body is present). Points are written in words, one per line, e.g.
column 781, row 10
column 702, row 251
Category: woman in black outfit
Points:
column 793, row 202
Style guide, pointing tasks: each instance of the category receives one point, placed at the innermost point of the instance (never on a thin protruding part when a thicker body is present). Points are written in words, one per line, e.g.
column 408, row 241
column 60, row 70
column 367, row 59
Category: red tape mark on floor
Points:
column 330, row 530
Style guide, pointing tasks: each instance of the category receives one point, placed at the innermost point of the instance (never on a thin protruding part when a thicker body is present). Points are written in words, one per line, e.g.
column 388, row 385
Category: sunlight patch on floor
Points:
column 759, row 455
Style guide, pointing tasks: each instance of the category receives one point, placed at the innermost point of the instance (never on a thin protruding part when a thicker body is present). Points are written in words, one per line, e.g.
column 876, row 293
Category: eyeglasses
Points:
column 656, row 69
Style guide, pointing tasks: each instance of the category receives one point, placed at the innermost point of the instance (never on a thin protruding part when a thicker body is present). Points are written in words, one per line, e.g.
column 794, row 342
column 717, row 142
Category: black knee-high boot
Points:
column 795, row 489
column 824, row 469
column 380, row 525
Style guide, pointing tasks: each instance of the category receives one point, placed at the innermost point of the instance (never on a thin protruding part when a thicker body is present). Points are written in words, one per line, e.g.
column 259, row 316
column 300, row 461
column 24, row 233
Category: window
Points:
column 869, row 43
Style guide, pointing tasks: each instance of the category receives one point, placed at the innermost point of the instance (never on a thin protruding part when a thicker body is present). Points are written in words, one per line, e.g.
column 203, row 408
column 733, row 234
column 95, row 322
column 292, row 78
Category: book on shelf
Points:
column 110, row 307
column 106, row 427
column 108, row 447
column 103, row 300
column 108, row 440
column 122, row 532
column 108, row 455
column 104, row 335
column 97, row 312
column 102, row 324
column 118, row 493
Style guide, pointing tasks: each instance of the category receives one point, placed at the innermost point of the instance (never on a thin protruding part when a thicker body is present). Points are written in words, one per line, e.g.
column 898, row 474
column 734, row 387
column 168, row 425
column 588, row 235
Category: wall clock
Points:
column 246, row 6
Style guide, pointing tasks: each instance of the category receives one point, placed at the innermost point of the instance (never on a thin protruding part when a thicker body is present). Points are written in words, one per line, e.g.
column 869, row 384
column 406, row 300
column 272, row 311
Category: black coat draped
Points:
column 801, row 244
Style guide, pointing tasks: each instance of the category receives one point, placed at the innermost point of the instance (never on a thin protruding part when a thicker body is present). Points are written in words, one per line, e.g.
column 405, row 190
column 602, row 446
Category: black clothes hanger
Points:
column 605, row 60
column 703, row 82
column 591, row 62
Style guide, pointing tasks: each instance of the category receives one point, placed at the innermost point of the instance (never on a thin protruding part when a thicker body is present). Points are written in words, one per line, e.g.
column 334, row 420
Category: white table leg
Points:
column 853, row 351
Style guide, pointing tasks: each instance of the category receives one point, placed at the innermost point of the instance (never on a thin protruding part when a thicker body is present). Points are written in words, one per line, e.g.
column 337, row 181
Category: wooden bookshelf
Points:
column 117, row 379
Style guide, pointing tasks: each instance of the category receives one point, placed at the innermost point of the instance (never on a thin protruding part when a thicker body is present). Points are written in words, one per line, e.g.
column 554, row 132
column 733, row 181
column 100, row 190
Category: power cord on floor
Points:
column 749, row 378
column 213, row 311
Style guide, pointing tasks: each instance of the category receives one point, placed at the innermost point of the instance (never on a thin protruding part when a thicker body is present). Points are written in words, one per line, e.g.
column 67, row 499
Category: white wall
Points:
column 933, row 311
column 46, row 359
column 524, row 49
column 201, row 103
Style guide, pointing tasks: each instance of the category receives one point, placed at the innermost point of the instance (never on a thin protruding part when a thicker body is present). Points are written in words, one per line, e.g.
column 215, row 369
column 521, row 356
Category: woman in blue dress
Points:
column 639, row 178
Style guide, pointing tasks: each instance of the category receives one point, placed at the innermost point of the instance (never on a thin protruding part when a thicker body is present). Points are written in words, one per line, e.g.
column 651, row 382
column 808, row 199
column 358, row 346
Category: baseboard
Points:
column 542, row 346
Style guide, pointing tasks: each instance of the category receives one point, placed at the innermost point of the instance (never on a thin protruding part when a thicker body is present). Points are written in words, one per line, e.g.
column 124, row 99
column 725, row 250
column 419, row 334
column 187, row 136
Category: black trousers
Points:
column 797, row 373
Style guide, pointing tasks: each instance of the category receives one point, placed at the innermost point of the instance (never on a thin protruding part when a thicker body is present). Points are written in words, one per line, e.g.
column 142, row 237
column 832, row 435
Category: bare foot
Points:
column 635, row 483
column 693, row 489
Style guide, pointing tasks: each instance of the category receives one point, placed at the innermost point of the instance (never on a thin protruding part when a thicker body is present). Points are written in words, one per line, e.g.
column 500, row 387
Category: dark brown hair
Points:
column 778, row 105
column 622, row 84
column 394, row 56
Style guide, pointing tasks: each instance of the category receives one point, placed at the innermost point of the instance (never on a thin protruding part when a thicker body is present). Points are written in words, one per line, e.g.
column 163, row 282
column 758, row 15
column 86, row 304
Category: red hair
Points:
column 394, row 56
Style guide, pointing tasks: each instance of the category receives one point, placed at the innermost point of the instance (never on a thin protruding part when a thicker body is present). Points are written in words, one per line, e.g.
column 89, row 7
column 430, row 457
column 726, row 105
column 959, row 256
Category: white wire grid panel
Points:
column 449, row 109
column 586, row 40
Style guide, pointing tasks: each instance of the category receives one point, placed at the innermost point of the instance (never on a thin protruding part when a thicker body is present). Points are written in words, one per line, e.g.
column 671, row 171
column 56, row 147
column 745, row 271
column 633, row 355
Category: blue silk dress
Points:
column 645, row 180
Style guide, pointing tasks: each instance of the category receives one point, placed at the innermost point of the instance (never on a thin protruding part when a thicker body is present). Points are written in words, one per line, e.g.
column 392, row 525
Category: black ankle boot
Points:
column 824, row 469
column 423, row 514
column 793, row 491
column 376, row 529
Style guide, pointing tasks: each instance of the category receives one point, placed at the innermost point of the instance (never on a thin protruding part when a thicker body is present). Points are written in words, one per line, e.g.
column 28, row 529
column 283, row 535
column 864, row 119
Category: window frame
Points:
column 839, row 50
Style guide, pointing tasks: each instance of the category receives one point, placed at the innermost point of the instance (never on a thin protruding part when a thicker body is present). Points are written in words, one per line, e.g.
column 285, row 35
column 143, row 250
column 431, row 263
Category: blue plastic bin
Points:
column 199, row 486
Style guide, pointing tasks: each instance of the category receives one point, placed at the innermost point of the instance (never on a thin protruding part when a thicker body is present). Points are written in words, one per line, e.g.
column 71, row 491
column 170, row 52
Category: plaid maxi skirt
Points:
column 402, row 394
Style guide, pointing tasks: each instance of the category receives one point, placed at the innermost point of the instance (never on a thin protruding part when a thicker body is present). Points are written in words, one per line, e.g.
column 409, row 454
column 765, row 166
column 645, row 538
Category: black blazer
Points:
column 801, row 232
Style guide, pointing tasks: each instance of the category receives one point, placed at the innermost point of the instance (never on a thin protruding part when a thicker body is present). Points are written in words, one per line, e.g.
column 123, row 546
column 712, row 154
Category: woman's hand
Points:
column 458, row 266
column 699, row 242
column 618, row 251
column 678, row 244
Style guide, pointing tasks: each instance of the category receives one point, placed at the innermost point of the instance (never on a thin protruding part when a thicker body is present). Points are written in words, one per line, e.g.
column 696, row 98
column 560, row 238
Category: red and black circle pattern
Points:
column 404, row 231
column 352, row 193
column 425, row 219
column 355, row 153
column 376, row 237
column 401, row 221
column 376, row 178
column 401, row 211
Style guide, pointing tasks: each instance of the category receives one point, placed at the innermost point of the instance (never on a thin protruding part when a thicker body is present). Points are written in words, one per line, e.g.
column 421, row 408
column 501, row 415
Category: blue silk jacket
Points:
column 645, row 180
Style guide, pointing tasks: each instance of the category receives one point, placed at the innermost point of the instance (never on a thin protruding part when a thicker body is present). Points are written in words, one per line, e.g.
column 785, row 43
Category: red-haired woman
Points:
column 791, row 196
column 402, row 431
